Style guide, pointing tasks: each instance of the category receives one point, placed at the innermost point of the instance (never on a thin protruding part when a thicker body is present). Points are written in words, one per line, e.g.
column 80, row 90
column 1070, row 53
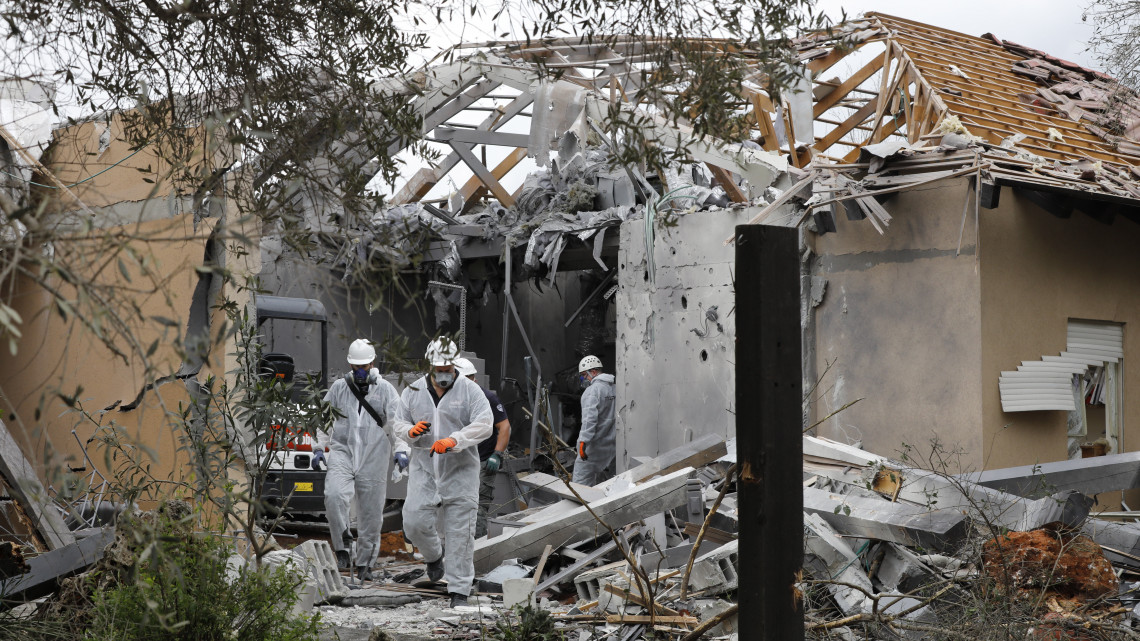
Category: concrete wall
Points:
column 672, row 383
column 1039, row 271
column 899, row 327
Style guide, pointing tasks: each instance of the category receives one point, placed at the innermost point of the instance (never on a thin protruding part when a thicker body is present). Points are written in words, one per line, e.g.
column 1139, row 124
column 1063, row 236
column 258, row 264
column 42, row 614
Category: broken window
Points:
column 1095, row 421
column 1083, row 380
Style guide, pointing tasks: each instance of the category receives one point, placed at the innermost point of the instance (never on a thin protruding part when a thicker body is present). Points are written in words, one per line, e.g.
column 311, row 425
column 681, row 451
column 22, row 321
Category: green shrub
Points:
column 525, row 624
column 179, row 590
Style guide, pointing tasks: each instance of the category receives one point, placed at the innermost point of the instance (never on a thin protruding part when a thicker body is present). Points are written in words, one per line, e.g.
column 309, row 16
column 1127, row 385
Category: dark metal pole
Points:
column 769, row 449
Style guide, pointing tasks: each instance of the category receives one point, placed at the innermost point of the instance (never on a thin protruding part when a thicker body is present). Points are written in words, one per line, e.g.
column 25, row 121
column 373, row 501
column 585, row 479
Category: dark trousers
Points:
column 486, row 495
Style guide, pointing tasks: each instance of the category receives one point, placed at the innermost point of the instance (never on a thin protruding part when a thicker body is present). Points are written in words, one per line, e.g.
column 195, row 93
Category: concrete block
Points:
column 983, row 504
column 706, row 609
column 1117, row 535
column 716, row 572
column 646, row 499
column 307, row 592
column 518, row 592
column 322, row 569
column 842, row 565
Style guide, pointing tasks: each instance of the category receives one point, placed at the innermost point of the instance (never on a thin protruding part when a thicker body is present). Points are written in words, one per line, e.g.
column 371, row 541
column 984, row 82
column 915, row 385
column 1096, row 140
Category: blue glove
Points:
column 401, row 459
column 493, row 462
column 318, row 456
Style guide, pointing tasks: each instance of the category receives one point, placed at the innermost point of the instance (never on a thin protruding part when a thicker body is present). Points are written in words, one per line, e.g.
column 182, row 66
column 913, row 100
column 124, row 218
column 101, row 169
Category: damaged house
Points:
column 966, row 225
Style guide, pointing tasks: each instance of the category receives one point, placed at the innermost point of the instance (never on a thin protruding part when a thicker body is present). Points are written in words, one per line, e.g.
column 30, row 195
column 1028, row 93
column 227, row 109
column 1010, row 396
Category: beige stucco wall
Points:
column 140, row 249
column 64, row 357
column 899, row 327
column 1038, row 271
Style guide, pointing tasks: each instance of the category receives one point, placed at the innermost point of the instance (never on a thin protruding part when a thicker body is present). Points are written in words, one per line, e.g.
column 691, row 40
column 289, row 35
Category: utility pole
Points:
column 769, row 446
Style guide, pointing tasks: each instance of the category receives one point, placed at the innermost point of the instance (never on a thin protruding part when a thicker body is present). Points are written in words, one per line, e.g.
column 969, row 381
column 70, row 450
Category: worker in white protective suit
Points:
column 597, row 440
column 363, row 442
column 451, row 416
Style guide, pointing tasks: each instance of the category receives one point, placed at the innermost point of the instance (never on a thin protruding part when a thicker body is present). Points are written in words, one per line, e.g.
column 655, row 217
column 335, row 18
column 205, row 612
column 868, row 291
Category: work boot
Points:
column 435, row 570
column 342, row 560
column 364, row 573
column 458, row 599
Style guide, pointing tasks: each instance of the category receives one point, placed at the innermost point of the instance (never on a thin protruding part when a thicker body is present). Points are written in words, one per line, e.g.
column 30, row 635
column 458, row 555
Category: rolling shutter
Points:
column 1047, row 384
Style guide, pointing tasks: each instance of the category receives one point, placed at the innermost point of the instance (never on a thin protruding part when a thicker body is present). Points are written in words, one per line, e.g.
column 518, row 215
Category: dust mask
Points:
column 444, row 379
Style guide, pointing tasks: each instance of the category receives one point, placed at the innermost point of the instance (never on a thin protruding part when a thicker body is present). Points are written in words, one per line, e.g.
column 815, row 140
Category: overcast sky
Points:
column 1053, row 26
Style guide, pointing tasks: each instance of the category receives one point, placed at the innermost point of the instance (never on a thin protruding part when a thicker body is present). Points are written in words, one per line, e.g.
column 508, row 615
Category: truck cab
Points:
column 294, row 334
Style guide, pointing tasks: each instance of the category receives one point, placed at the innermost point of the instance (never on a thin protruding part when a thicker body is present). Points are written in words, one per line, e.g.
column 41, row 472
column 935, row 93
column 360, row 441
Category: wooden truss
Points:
column 903, row 81
column 926, row 74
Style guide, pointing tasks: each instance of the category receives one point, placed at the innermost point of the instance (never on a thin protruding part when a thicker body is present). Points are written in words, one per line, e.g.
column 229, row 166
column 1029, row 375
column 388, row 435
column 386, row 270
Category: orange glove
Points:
column 443, row 445
column 582, row 450
column 419, row 429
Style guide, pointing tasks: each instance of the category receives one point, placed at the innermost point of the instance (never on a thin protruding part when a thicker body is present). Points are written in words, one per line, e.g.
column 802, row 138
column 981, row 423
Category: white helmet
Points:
column 442, row 351
column 589, row 363
column 361, row 352
column 465, row 367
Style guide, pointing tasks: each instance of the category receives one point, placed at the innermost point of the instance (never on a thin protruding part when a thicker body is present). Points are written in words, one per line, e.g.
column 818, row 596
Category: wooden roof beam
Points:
column 489, row 180
column 861, row 76
column 474, row 189
column 845, row 128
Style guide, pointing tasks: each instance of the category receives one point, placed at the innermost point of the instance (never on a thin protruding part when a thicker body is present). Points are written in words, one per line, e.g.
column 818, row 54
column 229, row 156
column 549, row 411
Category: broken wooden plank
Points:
column 713, row 535
column 47, row 569
column 557, row 486
column 25, row 484
column 633, row 504
column 542, row 563
column 876, row 518
column 724, row 179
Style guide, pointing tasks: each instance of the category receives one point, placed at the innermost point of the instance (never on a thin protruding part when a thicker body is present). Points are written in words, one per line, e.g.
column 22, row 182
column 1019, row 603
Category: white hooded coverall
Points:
column 446, row 483
column 358, row 462
column 598, row 432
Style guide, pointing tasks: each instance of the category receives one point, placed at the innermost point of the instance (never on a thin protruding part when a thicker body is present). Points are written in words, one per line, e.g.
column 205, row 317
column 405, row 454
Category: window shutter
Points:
column 1047, row 384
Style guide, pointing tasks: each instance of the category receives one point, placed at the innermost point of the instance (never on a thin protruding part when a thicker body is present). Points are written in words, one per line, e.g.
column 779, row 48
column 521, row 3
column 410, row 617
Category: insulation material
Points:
column 29, row 124
column 558, row 106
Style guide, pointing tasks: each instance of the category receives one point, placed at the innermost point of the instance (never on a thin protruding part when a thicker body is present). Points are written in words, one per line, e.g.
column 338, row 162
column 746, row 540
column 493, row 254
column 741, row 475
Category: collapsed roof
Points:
column 999, row 112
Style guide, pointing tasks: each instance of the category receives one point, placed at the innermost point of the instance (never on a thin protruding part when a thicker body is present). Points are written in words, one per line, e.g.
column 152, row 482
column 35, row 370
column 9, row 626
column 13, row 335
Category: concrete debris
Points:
column 1088, row 476
column 875, row 542
column 903, row 523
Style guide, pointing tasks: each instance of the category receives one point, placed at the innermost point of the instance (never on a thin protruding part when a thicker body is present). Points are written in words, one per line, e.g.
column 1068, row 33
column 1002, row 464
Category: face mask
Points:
column 583, row 380
column 360, row 376
column 444, row 379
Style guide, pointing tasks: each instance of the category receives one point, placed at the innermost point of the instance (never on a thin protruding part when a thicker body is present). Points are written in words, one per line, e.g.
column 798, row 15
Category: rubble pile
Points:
column 890, row 551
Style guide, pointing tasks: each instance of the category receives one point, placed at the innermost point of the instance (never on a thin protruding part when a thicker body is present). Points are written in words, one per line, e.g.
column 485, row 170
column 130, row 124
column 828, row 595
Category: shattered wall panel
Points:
column 676, row 335
column 898, row 327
